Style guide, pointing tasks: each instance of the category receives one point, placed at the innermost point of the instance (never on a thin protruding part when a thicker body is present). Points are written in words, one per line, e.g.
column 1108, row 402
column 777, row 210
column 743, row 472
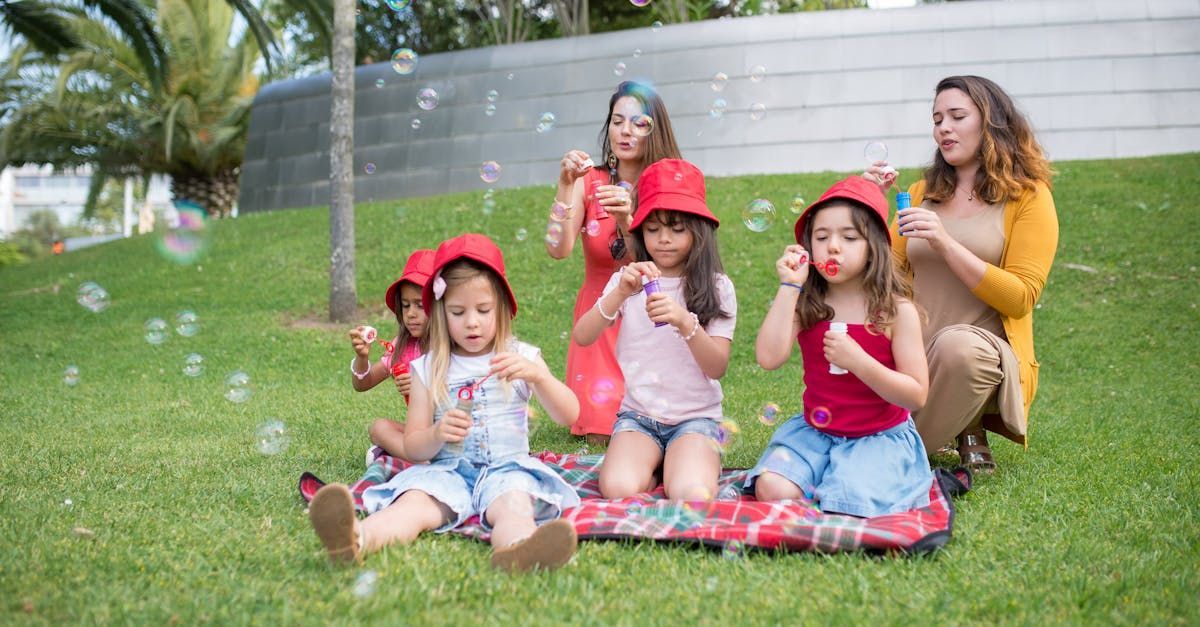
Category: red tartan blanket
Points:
column 731, row 524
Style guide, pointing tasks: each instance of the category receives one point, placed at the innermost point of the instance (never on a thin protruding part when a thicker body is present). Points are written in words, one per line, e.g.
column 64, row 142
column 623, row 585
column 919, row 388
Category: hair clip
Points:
column 439, row 287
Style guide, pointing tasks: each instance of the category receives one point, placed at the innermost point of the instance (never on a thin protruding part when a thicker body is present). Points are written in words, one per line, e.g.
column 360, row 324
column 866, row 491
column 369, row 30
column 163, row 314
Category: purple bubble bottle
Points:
column 650, row 287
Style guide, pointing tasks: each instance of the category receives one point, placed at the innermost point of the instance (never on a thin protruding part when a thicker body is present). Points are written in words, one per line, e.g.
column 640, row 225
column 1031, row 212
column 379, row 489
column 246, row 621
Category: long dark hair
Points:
column 1011, row 160
column 660, row 143
column 702, row 266
column 882, row 282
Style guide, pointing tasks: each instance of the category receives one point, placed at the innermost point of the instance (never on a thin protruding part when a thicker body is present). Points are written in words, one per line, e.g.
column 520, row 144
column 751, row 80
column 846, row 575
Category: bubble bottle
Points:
column 837, row 327
column 650, row 287
column 903, row 201
column 466, row 402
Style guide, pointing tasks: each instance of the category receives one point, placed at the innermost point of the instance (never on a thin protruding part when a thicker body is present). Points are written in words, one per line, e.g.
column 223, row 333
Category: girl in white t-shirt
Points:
column 673, row 344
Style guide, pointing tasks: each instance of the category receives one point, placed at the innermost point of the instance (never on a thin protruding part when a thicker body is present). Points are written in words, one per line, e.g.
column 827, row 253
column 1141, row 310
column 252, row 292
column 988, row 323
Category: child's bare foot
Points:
column 550, row 547
column 332, row 515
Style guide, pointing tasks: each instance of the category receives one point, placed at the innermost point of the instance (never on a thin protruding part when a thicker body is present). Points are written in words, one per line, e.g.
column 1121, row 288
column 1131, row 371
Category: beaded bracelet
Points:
column 695, row 328
column 358, row 375
column 600, row 309
column 795, row 285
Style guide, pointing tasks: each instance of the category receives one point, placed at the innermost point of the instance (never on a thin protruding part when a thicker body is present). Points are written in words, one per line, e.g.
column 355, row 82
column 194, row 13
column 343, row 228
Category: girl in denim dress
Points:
column 855, row 449
column 478, row 451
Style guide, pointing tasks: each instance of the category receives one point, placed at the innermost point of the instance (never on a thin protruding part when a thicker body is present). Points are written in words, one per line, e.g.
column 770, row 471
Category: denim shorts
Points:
column 468, row 489
column 664, row 434
column 881, row 473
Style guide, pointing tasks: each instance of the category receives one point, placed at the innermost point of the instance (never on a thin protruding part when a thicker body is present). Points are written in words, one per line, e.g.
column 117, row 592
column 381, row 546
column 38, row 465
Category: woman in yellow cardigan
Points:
column 977, row 243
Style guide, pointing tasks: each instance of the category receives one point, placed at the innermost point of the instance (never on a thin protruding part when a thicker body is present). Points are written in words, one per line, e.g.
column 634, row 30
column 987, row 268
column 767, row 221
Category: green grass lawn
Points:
column 1097, row 522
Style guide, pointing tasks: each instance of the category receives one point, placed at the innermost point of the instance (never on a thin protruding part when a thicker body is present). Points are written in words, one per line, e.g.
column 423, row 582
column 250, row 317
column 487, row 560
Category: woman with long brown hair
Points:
column 594, row 202
column 978, row 244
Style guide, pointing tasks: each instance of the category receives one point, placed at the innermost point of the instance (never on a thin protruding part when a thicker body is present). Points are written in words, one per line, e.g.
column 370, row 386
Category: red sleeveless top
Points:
column 841, row 404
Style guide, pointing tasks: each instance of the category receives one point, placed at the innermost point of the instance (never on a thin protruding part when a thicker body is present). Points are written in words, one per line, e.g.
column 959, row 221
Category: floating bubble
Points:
column 758, row 215
column 364, row 585
column 560, row 212
column 397, row 5
column 875, row 151
column 637, row 52
column 156, row 331
column 602, row 391
column 545, row 122
column 404, row 61
column 554, row 233
column 522, row 234
column 510, row 76
column 68, row 502
column 727, row 433
column 186, row 237
column 769, row 415
column 619, row 69
column 643, row 125
column 639, row 3
column 493, row 95
column 71, row 375
column 564, row 335
column 272, row 438
column 798, row 204
column 757, row 73
column 379, row 83
column 193, row 365
column 489, row 203
column 733, row 550
column 427, row 99
column 489, row 171
column 655, row 26
column 592, row 228
column 489, row 110
column 678, row 177
column 92, row 297
column 369, row 168
column 758, row 111
column 718, row 81
column 820, row 416
column 717, row 109
column 415, row 124
column 237, row 387
column 187, row 323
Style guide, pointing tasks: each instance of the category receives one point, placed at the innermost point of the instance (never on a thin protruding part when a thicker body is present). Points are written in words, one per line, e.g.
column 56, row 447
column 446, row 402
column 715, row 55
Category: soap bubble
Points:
column 364, row 585
column 727, row 433
column 758, row 215
column 193, row 365
column 489, row 110
column 415, row 124
column 545, row 122
column 757, row 73
column 592, row 228
column 522, row 234
column 718, row 81
column 71, row 375
column 427, row 99
column 554, row 233
column 489, row 202
column 798, row 204
column 92, row 297
column 185, row 238
column 68, row 502
column 639, row 3
column 404, row 61
column 820, row 416
column 619, row 69
column 494, row 95
column 875, row 151
column 272, row 438
column 510, row 76
column 369, row 168
column 655, row 26
column 733, row 550
column 717, row 109
column 602, row 391
column 769, row 415
column 379, row 83
column 397, row 5
column 758, row 110
column 187, row 323
column 237, row 387
column 489, row 171
column 643, row 125
column 156, row 331
column 637, row 52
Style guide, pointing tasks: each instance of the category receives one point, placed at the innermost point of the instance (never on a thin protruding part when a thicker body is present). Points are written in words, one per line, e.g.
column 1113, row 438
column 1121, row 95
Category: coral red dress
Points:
column 592, row 371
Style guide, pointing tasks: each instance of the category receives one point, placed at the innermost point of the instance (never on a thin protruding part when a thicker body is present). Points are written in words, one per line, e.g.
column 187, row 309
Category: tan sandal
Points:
column 975, row 453
column 332, row 515
column 551, row 546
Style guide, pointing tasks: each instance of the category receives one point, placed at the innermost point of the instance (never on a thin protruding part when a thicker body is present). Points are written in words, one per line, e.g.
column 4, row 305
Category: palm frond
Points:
column 41, row 24
column 258, row 26
column 135, row 22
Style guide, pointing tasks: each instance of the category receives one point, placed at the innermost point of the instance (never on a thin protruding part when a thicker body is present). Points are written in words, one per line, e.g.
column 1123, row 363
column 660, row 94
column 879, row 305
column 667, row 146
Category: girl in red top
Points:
column 855, row 449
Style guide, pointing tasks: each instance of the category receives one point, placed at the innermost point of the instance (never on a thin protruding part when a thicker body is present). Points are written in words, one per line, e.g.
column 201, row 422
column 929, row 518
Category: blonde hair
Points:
column 457, row 273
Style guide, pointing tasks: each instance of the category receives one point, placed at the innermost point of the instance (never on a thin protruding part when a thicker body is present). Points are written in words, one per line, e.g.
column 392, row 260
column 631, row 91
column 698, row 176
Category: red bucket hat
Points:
column 857, row 190
column 471, row 246
column 416, row 271
column 672, row 184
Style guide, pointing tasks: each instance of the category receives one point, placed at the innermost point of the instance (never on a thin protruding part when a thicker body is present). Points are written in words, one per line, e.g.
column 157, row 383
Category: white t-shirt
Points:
column 662, row 379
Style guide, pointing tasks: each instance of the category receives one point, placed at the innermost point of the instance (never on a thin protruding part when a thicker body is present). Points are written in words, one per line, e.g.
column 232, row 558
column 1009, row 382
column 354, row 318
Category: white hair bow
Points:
column 439, row 287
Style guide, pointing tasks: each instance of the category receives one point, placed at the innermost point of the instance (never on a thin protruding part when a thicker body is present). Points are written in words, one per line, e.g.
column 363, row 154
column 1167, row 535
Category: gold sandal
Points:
column 975, row 453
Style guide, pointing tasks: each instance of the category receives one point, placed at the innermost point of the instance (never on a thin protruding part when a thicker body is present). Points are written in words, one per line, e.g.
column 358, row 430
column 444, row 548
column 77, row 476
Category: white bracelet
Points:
column 360, row 375
column 695, row 328
column 600, row 309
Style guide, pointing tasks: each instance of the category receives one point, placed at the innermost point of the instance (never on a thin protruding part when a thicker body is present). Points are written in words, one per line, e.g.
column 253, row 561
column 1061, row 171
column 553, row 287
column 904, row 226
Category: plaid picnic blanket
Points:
column 732, row 524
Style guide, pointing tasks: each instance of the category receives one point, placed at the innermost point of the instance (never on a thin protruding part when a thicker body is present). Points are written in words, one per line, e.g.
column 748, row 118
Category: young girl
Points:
column 672, row 405
column 404, row 299
column 855, row 450
column 467, row 413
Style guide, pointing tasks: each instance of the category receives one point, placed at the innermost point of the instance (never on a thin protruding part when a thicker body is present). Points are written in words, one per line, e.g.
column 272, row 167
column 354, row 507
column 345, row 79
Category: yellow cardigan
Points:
column 1012, row 288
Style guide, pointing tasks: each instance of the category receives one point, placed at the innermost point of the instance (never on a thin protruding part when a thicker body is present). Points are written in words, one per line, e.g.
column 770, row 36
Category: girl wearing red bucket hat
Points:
column 854, row 449
column 469, row 418
column 403, row 297
column 671, row 413
column 595, row 202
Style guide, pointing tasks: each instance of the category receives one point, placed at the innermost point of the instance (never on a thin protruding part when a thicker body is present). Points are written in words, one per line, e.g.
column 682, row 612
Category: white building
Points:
column 32, row 188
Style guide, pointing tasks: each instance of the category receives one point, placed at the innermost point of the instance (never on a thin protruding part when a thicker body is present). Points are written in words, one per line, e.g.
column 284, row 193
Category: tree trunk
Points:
column 215, row 193
column 343, row 297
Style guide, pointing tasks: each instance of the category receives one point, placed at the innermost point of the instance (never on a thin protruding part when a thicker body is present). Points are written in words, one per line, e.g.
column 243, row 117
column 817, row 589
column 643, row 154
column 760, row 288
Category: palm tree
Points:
column 98, row 103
